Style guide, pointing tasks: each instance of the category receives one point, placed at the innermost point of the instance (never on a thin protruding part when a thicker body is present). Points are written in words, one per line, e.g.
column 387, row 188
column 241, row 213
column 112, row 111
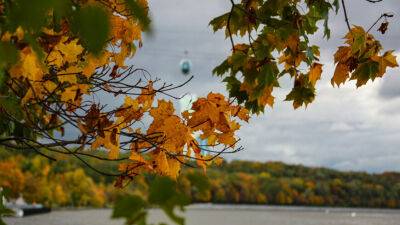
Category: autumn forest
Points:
column 67, row 184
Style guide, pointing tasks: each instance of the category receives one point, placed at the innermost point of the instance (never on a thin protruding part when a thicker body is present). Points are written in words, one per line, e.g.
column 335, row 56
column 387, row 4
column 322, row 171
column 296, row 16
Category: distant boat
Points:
column 21, row 208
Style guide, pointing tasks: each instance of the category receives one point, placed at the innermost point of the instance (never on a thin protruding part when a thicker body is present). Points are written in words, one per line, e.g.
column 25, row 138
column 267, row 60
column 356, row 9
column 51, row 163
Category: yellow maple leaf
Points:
column 55, row 58
column 227, row 139
column 136, row 157
column 211, row 140
column 341, row 74
column 110, row 141
column 200, row 161
column 161, row 163
column 69, row 49
column 387, row 60
column 69, row 75
column 93, row 62
column 315, row 73
column 174, row 166
column 342, row 54
column 129, row 111
column 266, row 98
column 240, row 112
column 147, row 95
column 70, row 93
column 28, row 67
column 164, row 109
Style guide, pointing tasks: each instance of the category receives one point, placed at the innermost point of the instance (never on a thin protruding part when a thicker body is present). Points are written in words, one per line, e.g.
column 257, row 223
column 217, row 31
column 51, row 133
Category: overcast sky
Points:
column 346, row 128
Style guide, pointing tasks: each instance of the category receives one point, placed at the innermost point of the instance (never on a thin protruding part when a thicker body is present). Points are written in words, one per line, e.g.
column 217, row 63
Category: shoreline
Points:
column 250, row 207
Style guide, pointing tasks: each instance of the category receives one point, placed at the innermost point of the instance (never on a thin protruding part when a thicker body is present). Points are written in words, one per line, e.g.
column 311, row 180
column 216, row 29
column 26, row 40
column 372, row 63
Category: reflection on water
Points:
column 229, row 215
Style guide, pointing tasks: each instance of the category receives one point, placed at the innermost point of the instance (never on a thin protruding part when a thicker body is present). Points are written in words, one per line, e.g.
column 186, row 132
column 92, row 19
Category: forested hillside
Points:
column 66, row 183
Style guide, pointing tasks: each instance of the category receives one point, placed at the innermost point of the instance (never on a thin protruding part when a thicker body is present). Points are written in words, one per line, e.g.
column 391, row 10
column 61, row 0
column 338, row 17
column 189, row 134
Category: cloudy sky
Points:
column 346, row 128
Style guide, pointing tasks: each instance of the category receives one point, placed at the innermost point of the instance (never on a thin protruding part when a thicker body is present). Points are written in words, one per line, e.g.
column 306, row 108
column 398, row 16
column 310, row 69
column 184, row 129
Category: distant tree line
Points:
column 66, row 183
column 281, row 184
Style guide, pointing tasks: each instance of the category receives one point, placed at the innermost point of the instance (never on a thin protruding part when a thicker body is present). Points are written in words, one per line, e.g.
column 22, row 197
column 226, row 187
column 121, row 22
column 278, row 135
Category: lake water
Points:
column 228, row 215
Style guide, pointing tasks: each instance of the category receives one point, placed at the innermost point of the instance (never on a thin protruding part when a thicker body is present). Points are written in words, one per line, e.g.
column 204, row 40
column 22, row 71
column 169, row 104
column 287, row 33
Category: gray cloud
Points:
column 344, row 128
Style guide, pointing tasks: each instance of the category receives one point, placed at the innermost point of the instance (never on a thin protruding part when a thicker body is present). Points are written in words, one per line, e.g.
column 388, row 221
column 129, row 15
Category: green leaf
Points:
column 238, row 59
column 327, row 31
column 269, row 75
column 302, row 93
column 222, row 68
column 336, row 4
column 61, row 9
column 92, row 25
column 139, row 13
column 365, row 72
column 29, row 14
column 163, row 192
column 130, row 207
column 233, row 86
column 12, row 106
column 8, row 55
column 3, row 79
column 219, row 22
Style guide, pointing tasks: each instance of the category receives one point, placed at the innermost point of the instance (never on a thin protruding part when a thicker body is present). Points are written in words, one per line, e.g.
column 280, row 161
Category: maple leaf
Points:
column 93, row 62
column 164, row 109
column 315, row 73
column 174, row 166
column 146, row 97
column 69, row 75
column 226, row 138
column 110, row 141
column 176, row 134
column 129, row 111
column 361, row 59
column 240, row 112
column 161, row 163
column 28, row 67
column 72, row 95
column 65, row 51
column 55, row 58
column 387, row 60
column 356, row 38
column 137, row 157
column 342, row 54
column 293, row 42
column 266, row 98
column 341, row 74
column 302, row 92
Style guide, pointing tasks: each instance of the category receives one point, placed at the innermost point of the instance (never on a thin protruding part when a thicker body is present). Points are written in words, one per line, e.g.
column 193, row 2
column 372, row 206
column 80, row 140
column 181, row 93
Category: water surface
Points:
column 228, row 215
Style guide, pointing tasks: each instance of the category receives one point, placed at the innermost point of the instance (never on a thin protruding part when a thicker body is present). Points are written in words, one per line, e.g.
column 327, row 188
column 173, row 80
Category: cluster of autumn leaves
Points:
column 67, row 62
column 274, row 41
column 60, row 83
column 360, row 59
column 57, row 76
column 211, row 117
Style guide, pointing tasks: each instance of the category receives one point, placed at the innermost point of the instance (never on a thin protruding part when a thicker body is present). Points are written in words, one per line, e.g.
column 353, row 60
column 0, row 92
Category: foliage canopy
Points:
column 59, row 58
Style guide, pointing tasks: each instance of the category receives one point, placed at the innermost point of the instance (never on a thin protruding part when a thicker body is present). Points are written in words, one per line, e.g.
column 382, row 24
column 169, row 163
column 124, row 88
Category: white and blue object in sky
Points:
column 186, row 66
